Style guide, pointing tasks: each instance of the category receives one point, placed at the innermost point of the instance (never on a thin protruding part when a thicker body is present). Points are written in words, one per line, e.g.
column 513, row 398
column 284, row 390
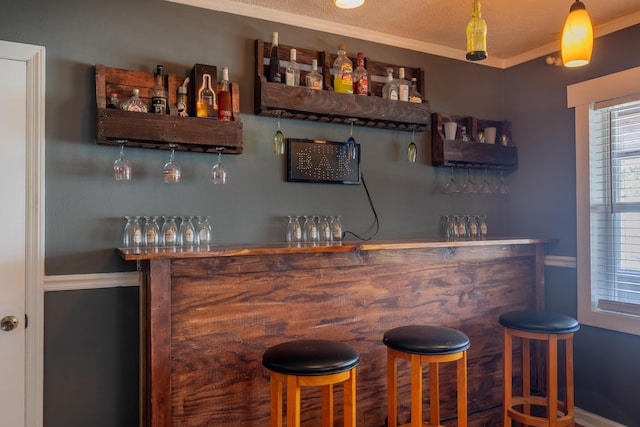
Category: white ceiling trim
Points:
column 259, row 12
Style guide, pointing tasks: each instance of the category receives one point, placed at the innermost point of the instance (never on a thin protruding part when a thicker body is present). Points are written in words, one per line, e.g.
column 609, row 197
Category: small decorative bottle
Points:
column 314, row 78
column 390, row 89
column 293, row 70
column 159, row 97
column 206, row 102
column 403, row 86
column 135, row 103
column 114, row 102
column 225, row 110
column 360, row 77
column 343, row 72
column 414, row 95
column 181, row 103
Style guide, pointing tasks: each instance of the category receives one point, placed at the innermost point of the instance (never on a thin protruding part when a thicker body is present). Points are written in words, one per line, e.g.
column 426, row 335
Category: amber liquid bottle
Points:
column 225, row 109
column 476, row 35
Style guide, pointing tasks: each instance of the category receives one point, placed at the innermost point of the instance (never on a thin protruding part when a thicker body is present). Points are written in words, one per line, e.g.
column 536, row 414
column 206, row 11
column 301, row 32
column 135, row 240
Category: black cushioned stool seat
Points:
column 311, row 363
column 545, row 327
column 426, row 344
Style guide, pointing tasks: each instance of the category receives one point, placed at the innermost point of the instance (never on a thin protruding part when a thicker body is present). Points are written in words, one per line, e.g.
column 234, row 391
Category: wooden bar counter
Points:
column 208, row 314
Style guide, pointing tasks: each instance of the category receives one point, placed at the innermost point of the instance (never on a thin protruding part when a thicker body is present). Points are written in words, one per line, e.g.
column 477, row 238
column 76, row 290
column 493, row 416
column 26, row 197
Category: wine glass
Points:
column 278, row 138
column 122, row 166
column 501, row 188
column 204, row 231
column 218, row 172
column 171, row 172
column 469, row 186
column 352, row 150
column 485, row 187
column 412, row 150
column 452, row 185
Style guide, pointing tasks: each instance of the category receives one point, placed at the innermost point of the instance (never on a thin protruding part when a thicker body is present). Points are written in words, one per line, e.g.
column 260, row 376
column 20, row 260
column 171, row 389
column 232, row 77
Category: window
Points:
column 608, row 200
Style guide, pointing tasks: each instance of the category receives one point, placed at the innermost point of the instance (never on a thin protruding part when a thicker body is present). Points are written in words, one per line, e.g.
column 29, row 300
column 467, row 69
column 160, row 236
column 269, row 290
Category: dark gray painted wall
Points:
column 90, row 336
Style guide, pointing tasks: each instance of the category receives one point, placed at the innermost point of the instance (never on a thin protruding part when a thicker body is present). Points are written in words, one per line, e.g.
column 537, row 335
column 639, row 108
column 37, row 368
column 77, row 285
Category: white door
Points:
column 20, row 162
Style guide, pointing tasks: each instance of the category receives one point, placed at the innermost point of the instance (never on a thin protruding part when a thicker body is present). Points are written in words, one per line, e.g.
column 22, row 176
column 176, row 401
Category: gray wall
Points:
column 90, row 336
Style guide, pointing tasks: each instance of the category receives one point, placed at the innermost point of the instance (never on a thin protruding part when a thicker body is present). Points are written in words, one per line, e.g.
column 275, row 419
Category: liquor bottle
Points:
column 403, row 86
column 274, row 61
column 360, row 77
column 414, row 95
column 225, row 110
column 206, row 102
column 314, row 78
column 390, row 89
column 343, row 72
column 292, row 77
column 159, row 95
column 476, row 35
column 135, row 103
column 114, row 102
column 181, row 101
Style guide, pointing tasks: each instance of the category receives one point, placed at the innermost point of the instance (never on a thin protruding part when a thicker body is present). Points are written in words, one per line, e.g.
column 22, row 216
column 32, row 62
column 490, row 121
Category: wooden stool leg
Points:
column 462, row 390
column 552, row 380
column 526, row 372
column 434, row 394
column 327, row 405
column 568, row 381
column 507, row 368
column 416, row 391
column 392, row 402
column 293, row 401
column 350, row 400
column 276, row 402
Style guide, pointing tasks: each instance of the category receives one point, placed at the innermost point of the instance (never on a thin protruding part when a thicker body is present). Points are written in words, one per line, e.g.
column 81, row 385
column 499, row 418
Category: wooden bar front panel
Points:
column 226, row 311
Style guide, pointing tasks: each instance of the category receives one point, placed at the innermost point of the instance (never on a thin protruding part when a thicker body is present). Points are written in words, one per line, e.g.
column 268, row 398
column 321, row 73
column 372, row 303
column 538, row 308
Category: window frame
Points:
column 581, row 96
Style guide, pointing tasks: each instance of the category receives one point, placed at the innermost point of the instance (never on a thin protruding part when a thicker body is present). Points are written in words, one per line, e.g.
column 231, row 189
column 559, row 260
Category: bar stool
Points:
column 543, row 327
column 311, row 363
column 426, row 344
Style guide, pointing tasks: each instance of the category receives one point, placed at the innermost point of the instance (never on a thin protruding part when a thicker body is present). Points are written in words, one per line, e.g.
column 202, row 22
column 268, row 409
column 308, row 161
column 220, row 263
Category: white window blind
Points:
column 614, row 191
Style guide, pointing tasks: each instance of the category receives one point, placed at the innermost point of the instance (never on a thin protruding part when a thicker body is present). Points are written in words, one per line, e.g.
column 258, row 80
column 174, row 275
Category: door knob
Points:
column 8, row 323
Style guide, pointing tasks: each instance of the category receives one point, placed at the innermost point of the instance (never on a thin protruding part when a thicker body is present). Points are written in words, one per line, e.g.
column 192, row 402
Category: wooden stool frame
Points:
column 551, row 399
column 295, row 382
column 434, row 386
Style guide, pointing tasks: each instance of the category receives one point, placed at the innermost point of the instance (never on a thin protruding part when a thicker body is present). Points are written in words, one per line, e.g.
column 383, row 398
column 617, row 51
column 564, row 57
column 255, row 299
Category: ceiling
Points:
column 518, row 30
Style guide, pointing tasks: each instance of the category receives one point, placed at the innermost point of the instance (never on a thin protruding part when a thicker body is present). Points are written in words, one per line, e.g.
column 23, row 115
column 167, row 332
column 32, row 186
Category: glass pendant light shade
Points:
column 348, row 4
column 577, row 37
column 476, row 35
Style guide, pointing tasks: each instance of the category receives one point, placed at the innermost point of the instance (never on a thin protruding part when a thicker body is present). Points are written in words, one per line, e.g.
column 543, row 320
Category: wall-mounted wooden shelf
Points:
column 277, row 99
column 147, row 130
column 472, row 153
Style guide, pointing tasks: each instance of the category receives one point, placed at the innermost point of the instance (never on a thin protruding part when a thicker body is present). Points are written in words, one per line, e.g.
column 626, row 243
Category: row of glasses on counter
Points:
column 464, row 227
column 314, row 229
column 145, row 231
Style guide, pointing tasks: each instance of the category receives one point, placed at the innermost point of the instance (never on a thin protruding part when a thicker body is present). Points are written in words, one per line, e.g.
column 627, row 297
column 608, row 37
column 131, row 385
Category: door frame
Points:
column 34, row 57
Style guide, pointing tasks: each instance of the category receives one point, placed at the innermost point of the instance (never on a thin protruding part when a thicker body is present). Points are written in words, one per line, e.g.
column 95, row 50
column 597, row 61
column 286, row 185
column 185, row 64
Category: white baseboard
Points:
column 73, row 282
column 587, row 419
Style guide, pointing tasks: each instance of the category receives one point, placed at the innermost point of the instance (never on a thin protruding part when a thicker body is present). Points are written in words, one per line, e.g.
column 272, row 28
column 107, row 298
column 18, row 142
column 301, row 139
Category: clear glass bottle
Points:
column 403, row 86
column 414, row 95
column 159, row 95
column 314, row 78
column 476, row 34
column 187, row 235
column 274, row 61
column 390, row 89
column 310, row 229
column 225, row 109
column 132, row 237
column 343, row 72
column 206, row 102
column 204, row 231
column 324, row 229
column 151, row 231
column 360, row 77
column 336, row 228
column 292, row 75
column 135, row 103
column 169, row 231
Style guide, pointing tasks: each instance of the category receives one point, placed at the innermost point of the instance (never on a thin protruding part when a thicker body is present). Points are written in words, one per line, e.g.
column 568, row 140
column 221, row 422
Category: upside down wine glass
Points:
column 352, row 150
column 278, row 139
column 122, row 166
column 412, row 150
column 171, row 172
column 219, row 172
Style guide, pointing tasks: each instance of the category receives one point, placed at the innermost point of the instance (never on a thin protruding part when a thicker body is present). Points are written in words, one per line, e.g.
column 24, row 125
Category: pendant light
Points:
column 577, row 37
column 476, row 34
column 348, row 4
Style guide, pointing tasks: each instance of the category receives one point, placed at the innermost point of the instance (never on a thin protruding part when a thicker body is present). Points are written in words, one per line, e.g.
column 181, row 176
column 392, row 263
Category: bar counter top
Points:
column 212, row 251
